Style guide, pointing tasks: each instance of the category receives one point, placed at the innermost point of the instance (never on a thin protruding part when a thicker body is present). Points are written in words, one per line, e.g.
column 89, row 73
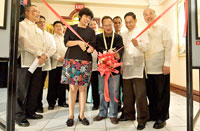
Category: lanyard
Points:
column 104, row 38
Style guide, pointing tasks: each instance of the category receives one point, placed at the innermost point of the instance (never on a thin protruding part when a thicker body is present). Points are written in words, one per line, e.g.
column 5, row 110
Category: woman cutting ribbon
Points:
column 78, row 64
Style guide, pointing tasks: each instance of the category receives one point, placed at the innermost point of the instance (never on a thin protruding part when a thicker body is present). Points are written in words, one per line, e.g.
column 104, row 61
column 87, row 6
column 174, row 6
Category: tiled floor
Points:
column 55, row 120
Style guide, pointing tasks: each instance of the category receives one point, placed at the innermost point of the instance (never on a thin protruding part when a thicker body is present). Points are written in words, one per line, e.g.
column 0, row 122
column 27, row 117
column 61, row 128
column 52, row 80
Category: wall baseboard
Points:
column 182, row 91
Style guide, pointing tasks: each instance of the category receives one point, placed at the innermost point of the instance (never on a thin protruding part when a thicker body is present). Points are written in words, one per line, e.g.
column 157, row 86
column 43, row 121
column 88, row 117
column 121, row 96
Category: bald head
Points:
column 32, row 13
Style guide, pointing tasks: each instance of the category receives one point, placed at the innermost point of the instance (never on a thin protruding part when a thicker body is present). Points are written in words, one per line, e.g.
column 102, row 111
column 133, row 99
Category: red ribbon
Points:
column 153, row 22
column 186, row 18
column 102, row 69
column 62, row 20
column 106, row 89
column 25, row 2
column 107, row 65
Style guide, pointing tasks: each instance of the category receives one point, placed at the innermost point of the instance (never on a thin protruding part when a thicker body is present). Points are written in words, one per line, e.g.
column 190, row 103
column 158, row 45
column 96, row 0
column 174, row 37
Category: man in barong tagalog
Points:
column 157, row 60
column 134, row 88
column 31, row 48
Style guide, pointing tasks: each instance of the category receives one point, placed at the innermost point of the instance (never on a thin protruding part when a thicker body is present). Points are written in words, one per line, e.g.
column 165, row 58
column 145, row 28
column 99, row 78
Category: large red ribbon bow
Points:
column 106, row 65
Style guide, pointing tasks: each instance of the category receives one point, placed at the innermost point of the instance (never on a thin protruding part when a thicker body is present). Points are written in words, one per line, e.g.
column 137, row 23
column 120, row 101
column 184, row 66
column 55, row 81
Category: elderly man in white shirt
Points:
column 31, row 47
column 50, row 49
column 157, row 60
column 56, row 90
column 134, row 88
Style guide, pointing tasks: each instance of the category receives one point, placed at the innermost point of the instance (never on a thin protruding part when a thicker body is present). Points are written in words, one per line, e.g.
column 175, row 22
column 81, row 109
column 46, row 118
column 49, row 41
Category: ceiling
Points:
column 156, row 2
column 108, row 2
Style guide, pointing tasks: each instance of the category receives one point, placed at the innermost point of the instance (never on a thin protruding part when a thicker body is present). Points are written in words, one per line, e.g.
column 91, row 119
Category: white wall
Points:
column 5, row 35
column 178, row 64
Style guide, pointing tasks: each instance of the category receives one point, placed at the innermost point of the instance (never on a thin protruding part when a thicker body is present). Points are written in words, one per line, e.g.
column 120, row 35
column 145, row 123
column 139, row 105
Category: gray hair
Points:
column 148, row 8
column 27, row 8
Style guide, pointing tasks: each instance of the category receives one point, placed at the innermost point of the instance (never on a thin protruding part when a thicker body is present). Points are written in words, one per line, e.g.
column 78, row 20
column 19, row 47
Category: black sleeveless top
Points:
column 75, row 52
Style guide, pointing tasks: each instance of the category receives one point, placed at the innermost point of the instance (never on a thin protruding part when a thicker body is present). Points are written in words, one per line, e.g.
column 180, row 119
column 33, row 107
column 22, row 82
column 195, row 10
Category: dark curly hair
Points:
column 85, row 11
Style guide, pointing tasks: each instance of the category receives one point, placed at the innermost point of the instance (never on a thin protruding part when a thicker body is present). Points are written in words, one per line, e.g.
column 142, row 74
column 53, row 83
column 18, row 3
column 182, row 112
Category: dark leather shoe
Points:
column 141, row 126
column 84, row 121
column 70, row 122
column 35, row 116
column 159, row 124
column 123, row 118
column 23, row 123
column 98, row 118
column 50, row 107
column 114, row 120
column 95, row 108
column 63, row 105
column 40, row 110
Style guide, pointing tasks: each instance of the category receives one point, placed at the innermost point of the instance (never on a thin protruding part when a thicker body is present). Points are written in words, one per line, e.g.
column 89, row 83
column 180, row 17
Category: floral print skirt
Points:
column 76, row 72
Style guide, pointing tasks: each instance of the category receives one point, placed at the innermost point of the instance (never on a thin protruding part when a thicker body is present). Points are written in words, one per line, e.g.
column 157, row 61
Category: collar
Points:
column 119, row 33
column 29, row 22
column 154, row 25
column 132, row 30
column 108, row 36
column 45, row 32
column 55, row 34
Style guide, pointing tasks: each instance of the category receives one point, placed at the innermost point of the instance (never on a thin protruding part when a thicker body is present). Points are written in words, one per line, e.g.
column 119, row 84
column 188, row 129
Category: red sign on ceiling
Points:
column 79, row 6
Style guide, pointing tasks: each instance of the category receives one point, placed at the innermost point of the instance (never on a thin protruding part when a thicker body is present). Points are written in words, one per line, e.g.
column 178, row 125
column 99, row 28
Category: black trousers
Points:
column 135, row 93
column 39, row 103
column 158, row 92
column 95, row 88
column 28, row 87
column 56, row 90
